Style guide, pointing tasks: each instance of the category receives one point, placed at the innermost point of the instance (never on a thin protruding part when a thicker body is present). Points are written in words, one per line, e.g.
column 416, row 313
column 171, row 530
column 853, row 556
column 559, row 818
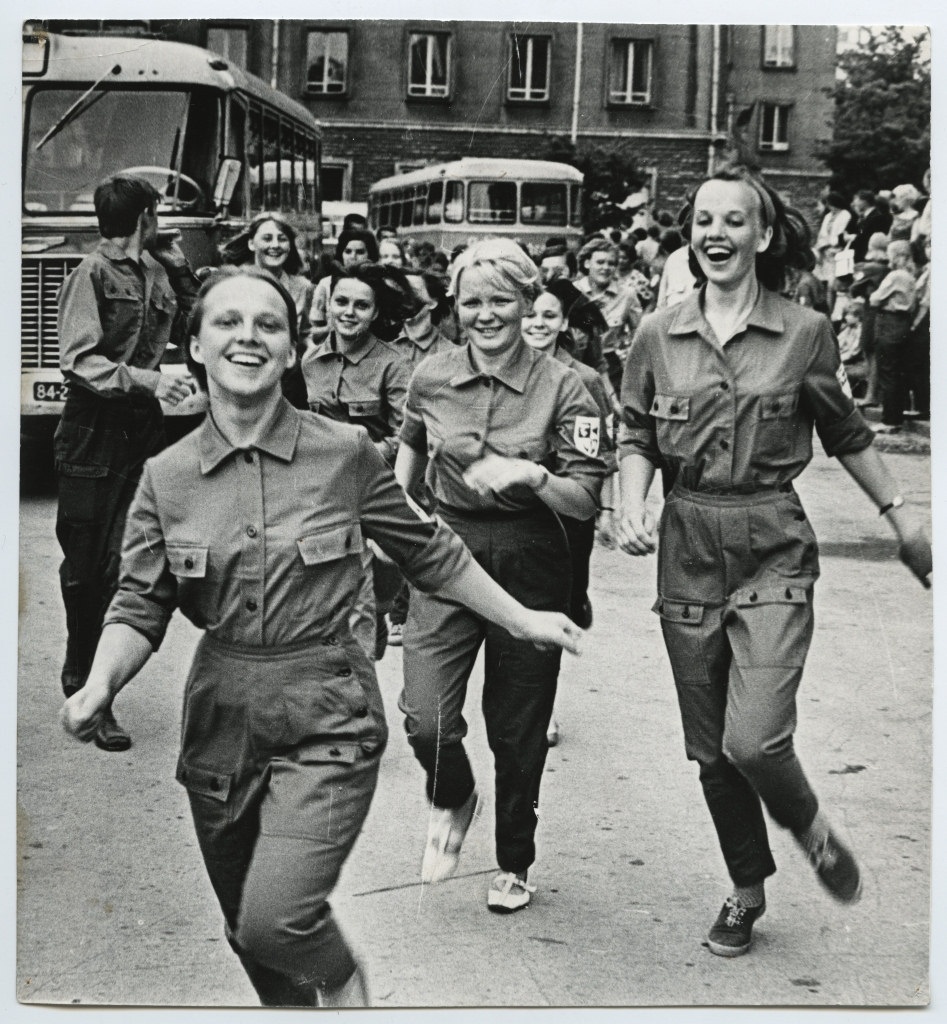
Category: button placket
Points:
column 254, row 548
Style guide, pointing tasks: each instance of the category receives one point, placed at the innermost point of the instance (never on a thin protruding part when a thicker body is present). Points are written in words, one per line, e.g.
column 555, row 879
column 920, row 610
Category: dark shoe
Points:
column 111, row 736
column 836, row 867
column 395, row 634
column 584, row 619
column 381, row 636
column 732, row 932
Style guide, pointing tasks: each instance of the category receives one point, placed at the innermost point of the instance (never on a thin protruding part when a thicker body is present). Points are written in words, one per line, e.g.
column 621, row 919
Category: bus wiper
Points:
column 82, row 104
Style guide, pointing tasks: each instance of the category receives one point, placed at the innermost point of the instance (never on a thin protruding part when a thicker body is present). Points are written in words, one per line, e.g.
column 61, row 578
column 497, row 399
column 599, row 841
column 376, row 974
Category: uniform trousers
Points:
column 527, row 554
column 100, row 447
column 280, row 749
column 891, row 353
column 735, row 578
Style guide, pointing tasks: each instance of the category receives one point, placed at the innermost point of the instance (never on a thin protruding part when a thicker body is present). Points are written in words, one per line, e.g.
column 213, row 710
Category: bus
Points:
column 219, row 144
column 460, row 201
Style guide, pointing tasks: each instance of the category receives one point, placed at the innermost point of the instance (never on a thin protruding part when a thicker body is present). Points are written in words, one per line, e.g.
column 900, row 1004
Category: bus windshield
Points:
column 167, row 137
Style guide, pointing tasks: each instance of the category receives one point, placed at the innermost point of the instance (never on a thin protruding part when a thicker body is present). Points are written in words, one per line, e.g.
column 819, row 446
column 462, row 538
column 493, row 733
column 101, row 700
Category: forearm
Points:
column 566, row 497
column 635, row 474
column 872, row 476
column 480, row 593
column 120, row 655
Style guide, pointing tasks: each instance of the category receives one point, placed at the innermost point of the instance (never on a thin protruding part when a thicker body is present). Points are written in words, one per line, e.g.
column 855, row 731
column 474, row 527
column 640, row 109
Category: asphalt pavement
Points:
column 114, row 907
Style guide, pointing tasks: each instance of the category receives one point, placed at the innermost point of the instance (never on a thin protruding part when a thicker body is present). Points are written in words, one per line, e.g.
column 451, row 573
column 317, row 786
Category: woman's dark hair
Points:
column 791, row 240
column 628, row 248
column 670, row 240
column 120, row 201
column 836, row 200
column 395, row 300
column 198, row 371
column 437, row 289
column 577, row 308
column 355, row 235
column 237, row 251
column 566, row 292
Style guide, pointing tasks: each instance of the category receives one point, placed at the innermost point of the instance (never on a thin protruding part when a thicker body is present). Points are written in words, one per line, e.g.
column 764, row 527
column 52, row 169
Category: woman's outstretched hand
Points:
column 549, row 629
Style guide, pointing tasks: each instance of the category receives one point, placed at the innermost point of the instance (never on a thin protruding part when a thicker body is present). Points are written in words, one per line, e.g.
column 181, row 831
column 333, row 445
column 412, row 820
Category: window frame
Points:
column 346, row 164
column 530, row 39
column 227, row 28
column 630, row 103
column 427, row 96
column 789, row 65
column 774, row 146
column 308, row 87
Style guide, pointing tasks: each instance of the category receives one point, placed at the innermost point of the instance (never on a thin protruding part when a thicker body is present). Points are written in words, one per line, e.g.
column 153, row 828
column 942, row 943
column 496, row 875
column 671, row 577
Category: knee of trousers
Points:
column 428, row 736
column 751, row 751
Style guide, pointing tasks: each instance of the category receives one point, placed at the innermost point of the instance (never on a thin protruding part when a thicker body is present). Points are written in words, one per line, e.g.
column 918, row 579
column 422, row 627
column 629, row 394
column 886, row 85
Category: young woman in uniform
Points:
column 353, row 248
column 508, row 438
column 725, row 389
column 252, row 525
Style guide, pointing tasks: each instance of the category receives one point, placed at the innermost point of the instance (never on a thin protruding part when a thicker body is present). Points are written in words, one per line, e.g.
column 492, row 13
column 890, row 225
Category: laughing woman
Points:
column 725, row 389
column 252, row 525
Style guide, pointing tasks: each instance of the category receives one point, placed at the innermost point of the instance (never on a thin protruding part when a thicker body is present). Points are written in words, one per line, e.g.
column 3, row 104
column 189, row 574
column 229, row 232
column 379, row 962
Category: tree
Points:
column 611, row 175
column 882, row 120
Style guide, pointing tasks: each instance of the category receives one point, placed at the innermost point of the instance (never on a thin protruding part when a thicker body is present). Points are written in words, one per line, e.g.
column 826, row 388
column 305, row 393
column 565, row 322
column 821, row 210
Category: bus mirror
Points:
column 227, row 178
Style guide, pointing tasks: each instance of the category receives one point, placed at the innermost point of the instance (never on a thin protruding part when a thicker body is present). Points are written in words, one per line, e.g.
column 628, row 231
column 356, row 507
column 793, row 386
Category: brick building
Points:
column 394, row 95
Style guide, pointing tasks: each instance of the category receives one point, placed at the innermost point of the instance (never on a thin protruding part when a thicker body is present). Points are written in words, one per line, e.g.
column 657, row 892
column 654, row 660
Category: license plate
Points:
column 50, row 392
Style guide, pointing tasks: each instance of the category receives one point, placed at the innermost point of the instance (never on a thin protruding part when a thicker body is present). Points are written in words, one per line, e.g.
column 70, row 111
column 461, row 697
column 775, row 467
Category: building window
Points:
column 774, row 127
column 779, row 48
column 336, row 181
column 630, row 72
column 327, row 58
column 529, row 68
column 429, row 57
column 230, row 43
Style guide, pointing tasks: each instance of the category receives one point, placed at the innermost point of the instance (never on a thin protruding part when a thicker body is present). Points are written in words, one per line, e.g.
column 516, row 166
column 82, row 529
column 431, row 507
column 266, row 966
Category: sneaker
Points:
column 584, row 620
column 732, row 932
column 836, row 867
column 509, row 893
column 445, row 837
column 395, row 634
column 552, row 733
column 110, row 735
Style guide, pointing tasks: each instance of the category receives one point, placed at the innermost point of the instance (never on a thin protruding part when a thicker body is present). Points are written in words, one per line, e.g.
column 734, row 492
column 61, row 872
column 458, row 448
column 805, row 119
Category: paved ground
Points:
column 114, row 908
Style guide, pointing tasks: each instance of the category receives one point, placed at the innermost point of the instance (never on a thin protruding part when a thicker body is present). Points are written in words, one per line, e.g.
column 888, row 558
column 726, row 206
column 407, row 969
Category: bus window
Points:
column 407, row 206
column 543, row 203
column 435, row 202
column 454, row 202
column 255, row 157
column 492, row 202
column 575, row 206
column 395, row 211
column 271, row 158
column 420, row 199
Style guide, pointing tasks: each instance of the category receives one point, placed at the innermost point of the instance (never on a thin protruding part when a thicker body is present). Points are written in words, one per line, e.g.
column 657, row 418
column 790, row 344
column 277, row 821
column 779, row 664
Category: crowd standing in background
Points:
column 503, row 390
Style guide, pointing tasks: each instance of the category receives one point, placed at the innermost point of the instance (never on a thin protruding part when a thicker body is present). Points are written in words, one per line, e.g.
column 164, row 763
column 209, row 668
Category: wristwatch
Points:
column 896, row 502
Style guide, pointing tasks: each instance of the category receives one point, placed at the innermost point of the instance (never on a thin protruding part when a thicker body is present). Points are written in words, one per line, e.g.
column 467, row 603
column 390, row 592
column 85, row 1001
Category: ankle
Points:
column 749, row 895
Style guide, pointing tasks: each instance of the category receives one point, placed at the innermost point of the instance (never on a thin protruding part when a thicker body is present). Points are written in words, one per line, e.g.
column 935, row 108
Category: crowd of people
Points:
column 416, row 448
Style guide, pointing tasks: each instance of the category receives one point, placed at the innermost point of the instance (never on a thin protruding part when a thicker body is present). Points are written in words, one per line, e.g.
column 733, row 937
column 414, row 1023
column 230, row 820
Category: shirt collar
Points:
column 513, row 375
column 278, row 438
column 330, row 347
column 765, row 313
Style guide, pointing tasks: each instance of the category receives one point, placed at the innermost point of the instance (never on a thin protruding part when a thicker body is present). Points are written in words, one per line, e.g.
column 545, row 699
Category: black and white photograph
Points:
column 473, row 515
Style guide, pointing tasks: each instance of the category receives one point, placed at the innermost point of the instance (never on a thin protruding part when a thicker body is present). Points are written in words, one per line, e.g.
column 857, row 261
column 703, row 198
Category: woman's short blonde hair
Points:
column 503, row 261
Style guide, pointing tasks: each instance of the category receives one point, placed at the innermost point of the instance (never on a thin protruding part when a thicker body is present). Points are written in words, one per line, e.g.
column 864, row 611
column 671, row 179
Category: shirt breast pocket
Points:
column 163, row 305
column 775, row 426
column 330, row 544
column 187, row 561
column 123, row 308
column 672, row 415
column 364, row 408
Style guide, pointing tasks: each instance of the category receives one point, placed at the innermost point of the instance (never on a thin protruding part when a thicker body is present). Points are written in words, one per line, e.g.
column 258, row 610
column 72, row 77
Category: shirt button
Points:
column 656, row 406
column 248, row 457
column 477, row 435
column 674, row 410
column 725, row 444
column 335, row 752
column 251, row 531
column 188, row 563
column 788, row 594
column 724, row 386
column 754, row 596
column 251, row 605
column 361, row 712
column 345, row 672
column 214, row 785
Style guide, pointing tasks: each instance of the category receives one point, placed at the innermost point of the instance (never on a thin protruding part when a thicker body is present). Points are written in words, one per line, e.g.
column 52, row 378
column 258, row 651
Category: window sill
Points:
column 311, row 94
column 779, row 67
column 513, row 103
column 615, row 105
column 442, row 101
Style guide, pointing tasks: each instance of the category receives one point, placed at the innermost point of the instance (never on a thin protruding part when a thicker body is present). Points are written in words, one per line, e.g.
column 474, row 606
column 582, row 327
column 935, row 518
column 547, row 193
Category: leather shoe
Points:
column 110, row 735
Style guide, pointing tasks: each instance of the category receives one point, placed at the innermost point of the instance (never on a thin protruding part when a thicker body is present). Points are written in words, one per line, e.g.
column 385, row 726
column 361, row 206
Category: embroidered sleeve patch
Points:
column 586, row 435
column 842, row 378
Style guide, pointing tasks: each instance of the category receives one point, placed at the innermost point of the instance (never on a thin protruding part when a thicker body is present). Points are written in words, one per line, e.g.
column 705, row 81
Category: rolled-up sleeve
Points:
column 147, row 590
column 840, row 426
column 413, row 431
column 578, row 455
column 397, row 375
column 636, row 434
column 429, row 553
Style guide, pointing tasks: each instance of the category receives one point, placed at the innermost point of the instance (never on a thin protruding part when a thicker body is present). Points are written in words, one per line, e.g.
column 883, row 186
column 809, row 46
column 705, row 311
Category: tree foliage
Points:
column 611, row 175
column 882, row 120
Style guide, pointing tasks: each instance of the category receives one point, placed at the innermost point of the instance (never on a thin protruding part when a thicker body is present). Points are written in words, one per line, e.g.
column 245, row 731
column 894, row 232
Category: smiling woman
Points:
column 253, row 526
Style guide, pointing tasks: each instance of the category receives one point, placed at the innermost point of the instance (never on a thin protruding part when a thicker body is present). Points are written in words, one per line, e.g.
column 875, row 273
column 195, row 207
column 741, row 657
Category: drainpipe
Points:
column 577, row 87
column 714, row 98
column 274, row 58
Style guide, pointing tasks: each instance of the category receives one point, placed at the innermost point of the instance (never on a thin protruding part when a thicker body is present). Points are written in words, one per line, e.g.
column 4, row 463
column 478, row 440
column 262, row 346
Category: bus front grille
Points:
column 42, row 278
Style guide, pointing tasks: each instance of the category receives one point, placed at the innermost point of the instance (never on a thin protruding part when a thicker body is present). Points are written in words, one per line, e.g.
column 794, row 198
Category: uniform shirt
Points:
column 739, row 416
column 366, row 386
column 620, row 307
column 300, row 289
column 414, row 351
column 117, row 315
column 535, row 409
column 262, row 546
column 596, row 388
column 896, row 292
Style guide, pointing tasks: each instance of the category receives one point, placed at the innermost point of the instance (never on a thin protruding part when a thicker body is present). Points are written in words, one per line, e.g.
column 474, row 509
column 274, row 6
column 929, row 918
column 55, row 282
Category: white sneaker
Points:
column 508, row 893
column 445, row 836
column 552, row 733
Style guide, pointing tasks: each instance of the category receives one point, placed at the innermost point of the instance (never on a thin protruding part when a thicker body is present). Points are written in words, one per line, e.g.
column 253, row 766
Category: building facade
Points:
column 395, row 95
